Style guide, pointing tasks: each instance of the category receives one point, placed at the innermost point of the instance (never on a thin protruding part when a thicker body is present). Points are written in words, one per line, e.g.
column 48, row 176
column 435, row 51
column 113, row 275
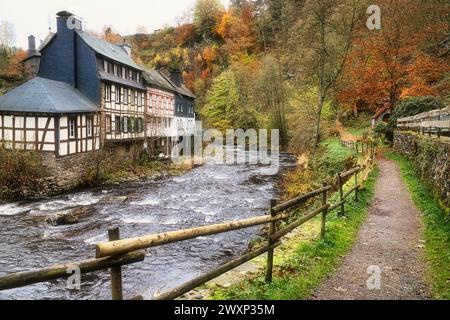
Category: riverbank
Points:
column 27, row 176
column 304, row 259
column 302, row 248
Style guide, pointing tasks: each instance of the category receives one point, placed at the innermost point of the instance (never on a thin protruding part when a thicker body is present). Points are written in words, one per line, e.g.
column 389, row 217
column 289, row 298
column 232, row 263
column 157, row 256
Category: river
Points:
column 205, row 195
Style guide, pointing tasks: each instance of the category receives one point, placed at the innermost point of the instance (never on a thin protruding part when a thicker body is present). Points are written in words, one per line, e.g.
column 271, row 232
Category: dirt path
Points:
column 389, row 242
column 344, row 133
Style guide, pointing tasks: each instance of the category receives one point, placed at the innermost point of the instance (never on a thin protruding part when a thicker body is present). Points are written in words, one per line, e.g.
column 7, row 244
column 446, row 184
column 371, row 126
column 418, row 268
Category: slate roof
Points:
column 180, row 89
column 41, row 95
column 126, row 82
column 154, row 77
column 112, row 51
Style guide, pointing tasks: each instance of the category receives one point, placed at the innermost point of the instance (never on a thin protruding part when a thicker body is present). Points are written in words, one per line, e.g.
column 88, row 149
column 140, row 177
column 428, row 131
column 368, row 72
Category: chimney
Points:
column 126, row 48
column 175, row 77
column 31, row 45
column 67, row 23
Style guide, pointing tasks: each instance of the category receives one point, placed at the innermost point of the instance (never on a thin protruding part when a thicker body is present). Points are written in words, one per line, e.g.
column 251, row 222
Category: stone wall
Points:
column 67, row 173
column 431, row 157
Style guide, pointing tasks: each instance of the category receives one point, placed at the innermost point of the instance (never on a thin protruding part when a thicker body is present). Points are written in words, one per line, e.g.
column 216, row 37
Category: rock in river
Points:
column 71, row 216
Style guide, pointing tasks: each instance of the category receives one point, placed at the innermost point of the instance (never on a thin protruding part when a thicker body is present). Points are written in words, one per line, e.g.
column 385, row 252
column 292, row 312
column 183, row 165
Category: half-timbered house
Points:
column 49, row 116
column 90, row 94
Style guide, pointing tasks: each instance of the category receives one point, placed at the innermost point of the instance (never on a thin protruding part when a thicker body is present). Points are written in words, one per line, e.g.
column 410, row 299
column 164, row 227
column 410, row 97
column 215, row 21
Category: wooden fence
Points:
column 433, row 122
column 116, row 253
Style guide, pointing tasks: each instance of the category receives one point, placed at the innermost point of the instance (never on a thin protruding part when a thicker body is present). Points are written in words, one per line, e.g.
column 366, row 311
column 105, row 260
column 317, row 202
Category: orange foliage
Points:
column 237, row 32
column 210, row 54
column 184, row 33
column 14, row 69
column 388, row 64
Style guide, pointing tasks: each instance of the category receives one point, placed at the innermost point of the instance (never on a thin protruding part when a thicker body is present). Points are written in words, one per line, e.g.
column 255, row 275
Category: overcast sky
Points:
column 32, row 17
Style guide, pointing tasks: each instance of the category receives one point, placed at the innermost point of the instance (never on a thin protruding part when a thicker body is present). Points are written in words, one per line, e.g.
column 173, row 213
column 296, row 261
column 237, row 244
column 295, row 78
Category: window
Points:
column 130, row 124
column 124, row 73
column 108, row 124
column 132, row 100
column 118, row 124
column 115, row 69
column 118, row 94
column 105, row 65
column 136, row 100
column 72, row 128
column 154, row 104
column 125, row 124
column 125, row 96
column 89, row 126
column 107, row 92
column 130, row 74
column 119, row 71
column 140, row 125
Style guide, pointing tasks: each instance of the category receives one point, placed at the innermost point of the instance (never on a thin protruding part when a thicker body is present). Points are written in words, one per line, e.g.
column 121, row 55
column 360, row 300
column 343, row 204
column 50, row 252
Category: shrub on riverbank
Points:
column 437, row 229
column 21, row 174
column 329, row 160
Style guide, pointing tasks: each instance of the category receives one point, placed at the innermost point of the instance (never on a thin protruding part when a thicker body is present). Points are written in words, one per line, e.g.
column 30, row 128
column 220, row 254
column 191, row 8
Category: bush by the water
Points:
column 21, row 174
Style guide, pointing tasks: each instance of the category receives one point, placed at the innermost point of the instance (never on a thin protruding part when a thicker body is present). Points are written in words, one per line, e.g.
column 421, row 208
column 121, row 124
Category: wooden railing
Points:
column 433, row 122
column 116, row 253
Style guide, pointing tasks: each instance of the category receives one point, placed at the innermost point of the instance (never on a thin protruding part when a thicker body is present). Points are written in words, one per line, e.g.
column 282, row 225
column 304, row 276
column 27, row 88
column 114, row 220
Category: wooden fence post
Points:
column 341, row 194
column 356, row 186
column 324, row 213
column 272, row 226
column 116, row 272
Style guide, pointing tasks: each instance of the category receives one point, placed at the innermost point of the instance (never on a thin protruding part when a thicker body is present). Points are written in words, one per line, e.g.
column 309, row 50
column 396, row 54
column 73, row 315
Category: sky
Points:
column 33, row 17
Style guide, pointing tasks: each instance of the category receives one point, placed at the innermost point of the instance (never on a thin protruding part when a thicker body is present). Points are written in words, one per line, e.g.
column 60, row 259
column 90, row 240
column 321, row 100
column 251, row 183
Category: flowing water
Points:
column 205, row 195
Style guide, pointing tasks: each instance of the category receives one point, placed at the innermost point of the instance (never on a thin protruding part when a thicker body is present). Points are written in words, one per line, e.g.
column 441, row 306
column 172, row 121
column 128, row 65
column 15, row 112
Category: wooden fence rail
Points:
column 116, row 253
column 432, row 122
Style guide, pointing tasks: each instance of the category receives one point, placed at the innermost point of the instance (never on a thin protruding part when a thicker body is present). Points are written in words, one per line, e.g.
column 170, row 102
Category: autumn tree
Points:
column 206, row 15
column 400, row 60
column 326, row 38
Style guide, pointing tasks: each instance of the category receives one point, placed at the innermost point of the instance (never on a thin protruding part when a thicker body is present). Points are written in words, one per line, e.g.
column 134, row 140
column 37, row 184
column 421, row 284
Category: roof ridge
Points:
column 102, row 47
column 168, row 80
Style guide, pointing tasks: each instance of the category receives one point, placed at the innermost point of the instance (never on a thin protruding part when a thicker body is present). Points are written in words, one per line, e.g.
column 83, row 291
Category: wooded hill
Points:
column 299, row 65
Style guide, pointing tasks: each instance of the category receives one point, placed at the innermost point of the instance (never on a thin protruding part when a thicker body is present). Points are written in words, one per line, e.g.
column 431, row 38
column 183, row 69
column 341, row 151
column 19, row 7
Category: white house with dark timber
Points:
column 89, row 94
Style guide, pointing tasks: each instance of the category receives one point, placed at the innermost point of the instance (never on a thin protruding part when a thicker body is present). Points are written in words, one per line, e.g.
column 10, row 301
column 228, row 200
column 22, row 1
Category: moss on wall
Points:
column 431, row 158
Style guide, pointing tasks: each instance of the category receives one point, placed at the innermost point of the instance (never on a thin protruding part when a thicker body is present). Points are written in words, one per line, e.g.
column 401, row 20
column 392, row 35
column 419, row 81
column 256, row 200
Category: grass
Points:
column 336, row 151
column 437, row 229
column 305, row 260
column 360, row 125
